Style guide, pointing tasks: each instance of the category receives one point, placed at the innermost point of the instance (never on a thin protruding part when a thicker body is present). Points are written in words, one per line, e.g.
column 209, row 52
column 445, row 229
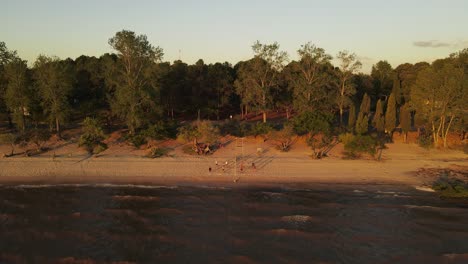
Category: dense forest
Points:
column 134, row 89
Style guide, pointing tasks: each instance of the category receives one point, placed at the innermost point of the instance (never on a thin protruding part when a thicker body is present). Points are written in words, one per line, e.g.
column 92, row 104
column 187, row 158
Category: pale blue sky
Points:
column 398, row 31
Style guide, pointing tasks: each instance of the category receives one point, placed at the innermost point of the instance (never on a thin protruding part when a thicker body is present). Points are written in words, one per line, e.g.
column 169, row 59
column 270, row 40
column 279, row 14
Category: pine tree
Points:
column 379, row 122
column 396, row 91
column 390, row 115
column 362, row 125
column 405, row 121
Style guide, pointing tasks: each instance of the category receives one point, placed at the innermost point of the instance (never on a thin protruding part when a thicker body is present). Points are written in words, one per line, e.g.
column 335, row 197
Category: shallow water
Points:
column 149, row 224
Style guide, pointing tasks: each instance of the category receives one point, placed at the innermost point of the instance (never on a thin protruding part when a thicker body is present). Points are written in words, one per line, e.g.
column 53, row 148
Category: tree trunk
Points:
column 341, row 116
column 198, row 118
column 172, row 113
column 242, row 111
column 57, row 127
column 264, row 116
column 287, row 113
column 405, row 136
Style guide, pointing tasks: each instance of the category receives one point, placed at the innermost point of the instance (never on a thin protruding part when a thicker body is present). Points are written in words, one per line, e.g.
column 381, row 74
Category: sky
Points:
column 217, row 31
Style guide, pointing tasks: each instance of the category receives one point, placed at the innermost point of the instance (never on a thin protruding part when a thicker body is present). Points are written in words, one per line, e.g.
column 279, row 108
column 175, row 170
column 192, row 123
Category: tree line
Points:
column 134, row 87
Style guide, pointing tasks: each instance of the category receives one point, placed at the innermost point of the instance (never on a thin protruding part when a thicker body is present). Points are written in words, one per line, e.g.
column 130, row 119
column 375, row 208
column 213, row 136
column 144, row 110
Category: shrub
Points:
column 425, row 140
column 283, row 139
column 157, row 152
column 137, row 140
column 355, row 145
column 322, row 145
column 188, row 133
column 312, row 122
column 260, row 129
column 450, row 187
column 161, row 130
column 231, row 127
column 92, row 135
column 208, row 132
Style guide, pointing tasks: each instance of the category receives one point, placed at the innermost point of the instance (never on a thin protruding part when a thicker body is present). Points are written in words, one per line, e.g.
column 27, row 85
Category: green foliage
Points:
column 312, row 123
column 450, row 187
column 382, row 74
column 352, row 117
column 349, row 64
column 260, row 129
column 209, row 133
column 379, row 119
column 161, row 130
column 188, row 133
column 440, row 97
column 54, row 81
column 362, row 125
column 321, row 145
column 258, row 78
column 137, row 140
column 18, row 95
column 38, row 137
column 135, row 94
column 396, row 90
column 425, row 140
column 92, row 136
column 355, row 145
column 390, row 114
column 283, row 139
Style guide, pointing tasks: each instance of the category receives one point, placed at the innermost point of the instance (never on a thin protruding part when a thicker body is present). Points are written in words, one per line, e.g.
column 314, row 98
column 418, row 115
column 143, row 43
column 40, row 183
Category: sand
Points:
column 122, row 163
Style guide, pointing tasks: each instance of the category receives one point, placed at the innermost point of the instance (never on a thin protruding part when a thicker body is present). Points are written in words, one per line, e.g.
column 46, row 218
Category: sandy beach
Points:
column 124, row 164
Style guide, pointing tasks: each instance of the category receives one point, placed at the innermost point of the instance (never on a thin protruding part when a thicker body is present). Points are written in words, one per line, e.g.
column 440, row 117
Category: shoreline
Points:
column 193, row 171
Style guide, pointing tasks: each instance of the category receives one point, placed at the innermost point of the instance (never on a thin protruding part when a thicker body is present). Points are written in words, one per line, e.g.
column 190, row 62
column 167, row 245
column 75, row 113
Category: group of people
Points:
column 225, row 164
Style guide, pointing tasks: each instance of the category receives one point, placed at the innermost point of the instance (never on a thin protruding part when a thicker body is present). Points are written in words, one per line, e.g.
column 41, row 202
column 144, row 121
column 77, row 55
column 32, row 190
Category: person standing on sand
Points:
column 253, row 166
column 209, row 169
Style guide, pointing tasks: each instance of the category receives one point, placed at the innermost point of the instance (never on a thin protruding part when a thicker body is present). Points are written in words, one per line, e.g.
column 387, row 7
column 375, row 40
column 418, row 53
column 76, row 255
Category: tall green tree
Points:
column 54, row 83
column 18, row 95
column 309, row 79
column 379, row 119
column 362, row 124
column 349, row 65
column 6, row 56
column 258, row 77
column 382, row 74
column 405, row 121
column 440, row 98
column 396, row 90
column 135, row 96
column 390, row 115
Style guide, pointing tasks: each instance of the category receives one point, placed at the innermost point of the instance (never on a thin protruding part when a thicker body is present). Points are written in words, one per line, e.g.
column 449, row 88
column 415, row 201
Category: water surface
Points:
column 150, row 224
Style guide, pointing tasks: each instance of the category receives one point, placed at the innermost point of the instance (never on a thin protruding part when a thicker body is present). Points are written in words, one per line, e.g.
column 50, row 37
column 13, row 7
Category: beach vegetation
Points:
column 92, row 137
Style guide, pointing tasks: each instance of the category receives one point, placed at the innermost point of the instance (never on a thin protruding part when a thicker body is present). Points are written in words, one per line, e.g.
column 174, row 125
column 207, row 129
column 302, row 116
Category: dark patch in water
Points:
column 137, row 224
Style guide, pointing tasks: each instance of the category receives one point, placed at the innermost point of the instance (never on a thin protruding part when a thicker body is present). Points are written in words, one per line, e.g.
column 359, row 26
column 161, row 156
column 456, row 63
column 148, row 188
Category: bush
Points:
column 450, row 187
column 231, row 127
column 137, row 140
column 321, row 146
column 188, row 133
column 161, row 130
column 260, row 129
column 283, row 139
column 312, row 122
column 92, row 135
column 157, row 152
column 425, row 141
column 355, row 145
